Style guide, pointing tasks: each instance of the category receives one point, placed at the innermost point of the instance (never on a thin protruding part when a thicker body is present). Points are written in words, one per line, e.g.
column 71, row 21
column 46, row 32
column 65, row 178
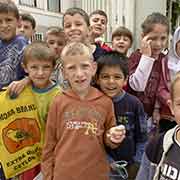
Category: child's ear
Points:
column 96, row 79
column 142, row 35
column 170, row 104
column 125, row 82
column 24, row 67
column 19, row 22
column 94, row 65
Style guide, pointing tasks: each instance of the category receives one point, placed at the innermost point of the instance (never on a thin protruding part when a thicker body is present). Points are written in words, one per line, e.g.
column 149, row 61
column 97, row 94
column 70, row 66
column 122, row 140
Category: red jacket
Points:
column 163, row 93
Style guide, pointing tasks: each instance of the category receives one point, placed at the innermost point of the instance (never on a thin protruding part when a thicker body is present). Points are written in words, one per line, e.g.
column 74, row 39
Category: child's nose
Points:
column 79, row 72
column 40, row 71
column 111, row 79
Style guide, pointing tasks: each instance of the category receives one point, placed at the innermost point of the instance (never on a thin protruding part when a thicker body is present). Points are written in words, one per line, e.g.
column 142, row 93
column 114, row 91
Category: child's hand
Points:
column 156, row 116
column 16, row 87
column 146, row 46
column 117, row 134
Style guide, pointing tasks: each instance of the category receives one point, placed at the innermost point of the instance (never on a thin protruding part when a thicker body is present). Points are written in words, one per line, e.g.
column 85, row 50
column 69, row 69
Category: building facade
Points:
column 46, row 13
column 129, row 13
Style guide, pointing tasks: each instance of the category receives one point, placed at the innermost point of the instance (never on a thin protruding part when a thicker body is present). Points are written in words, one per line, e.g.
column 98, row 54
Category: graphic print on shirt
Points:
column 85, row 118
column 171, row 168
column 8, row 64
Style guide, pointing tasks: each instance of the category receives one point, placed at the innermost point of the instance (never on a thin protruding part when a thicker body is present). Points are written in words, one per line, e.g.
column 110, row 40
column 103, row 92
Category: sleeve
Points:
column 146, row 170
column 139, row 70
column 50, row 143
column 22, row 44
column 140, row 131
column 110, row 122
column 154, row 148
column 10, row 68
column 163, row 93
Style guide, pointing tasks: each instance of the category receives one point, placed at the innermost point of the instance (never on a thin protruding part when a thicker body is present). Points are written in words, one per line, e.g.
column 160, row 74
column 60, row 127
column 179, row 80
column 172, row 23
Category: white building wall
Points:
column 144, row 8
column 129, row 13
column 43, row 17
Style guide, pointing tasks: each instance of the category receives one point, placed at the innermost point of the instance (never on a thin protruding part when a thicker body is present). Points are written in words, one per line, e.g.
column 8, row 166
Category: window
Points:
column 38, row 36
column 32, row 3
column 54, row 5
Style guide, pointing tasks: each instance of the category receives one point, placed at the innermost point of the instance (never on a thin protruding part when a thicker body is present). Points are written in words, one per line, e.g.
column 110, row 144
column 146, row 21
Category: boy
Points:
column 11, row 46
column 98, row 24
column 80, row 122
column 55, row 39
column 27, row 26
column 122, row 39
column 39, row 62
column 76, row 28
column 163, row 151
column 111, row 77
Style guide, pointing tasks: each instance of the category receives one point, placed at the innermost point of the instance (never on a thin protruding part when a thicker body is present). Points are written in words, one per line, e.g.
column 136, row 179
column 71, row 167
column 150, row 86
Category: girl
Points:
column 170, row 67
column 145, row 65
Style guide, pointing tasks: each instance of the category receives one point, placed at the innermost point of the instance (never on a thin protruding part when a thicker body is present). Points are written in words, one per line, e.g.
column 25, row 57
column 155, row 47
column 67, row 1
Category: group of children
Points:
column 87, row 128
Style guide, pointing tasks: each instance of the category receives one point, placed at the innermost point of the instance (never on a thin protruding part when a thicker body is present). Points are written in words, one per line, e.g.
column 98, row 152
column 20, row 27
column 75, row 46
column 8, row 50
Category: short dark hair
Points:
column 122, row 31
column 75, row 10
column 113, row 58
column 30, row 18
column 153, row 19
column 100, row 12
column 8, row 6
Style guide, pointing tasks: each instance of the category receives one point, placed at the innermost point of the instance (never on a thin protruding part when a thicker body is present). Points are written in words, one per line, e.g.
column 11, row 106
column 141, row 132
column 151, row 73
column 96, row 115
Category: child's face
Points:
column 111, row 80
column 8, row 25
column 75, row 28
column 79, row 70
column 98, row 24
column 39, row 72
column 175, row 103
column 25, row 28
column 159, row 37
column 56, row 43
column 121, row 44
column 178, row 48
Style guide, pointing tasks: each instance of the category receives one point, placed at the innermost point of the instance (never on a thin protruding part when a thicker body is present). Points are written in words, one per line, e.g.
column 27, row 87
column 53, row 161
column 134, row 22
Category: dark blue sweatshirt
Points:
column 129, row 112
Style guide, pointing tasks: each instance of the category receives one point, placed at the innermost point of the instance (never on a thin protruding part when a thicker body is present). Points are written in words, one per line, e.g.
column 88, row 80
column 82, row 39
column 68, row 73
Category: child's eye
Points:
column 85, row 66
column 67, row 25
column 71, row 68
column 51, row 42
column 34, row 67
column 8, row 20
column 103, row 21
column 126, row 38
column 105, row 77
column 95, row 20
column 117, row 77
column 47, row 67
column 78, row 24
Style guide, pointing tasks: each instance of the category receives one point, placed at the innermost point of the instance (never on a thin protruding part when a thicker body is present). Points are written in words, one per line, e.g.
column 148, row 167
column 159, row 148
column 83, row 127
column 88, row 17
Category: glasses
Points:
column 118, row 170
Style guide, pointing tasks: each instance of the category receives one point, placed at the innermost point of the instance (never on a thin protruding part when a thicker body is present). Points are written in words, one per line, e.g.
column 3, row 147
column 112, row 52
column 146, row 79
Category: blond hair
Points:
column 40, row 51
column 176, row 79
column 76, row 48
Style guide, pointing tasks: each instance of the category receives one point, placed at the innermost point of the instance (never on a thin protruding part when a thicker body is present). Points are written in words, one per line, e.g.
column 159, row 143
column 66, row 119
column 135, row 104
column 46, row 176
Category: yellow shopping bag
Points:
column 21, row 136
